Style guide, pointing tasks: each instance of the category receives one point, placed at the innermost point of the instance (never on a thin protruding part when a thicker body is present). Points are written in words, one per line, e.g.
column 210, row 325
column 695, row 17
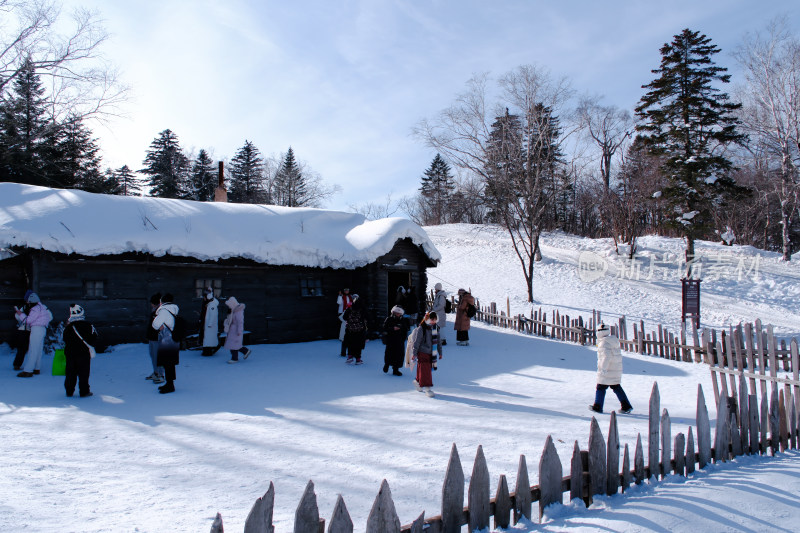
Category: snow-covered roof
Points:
column 73, row 221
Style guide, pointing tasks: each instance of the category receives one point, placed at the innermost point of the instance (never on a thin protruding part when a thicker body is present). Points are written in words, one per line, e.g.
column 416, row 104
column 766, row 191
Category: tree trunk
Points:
column 689, row 255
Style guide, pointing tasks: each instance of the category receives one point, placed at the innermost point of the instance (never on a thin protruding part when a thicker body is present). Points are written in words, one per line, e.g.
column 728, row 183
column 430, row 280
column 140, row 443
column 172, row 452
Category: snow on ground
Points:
column 740, row 283
column 129, row 459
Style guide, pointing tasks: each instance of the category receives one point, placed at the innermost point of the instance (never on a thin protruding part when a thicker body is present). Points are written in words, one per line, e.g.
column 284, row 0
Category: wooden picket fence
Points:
column 742, row 427
column 708, row 346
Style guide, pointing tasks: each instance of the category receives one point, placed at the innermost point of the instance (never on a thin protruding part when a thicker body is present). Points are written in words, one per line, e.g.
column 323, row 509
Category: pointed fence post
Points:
column 654, row 423
column 753, row 423
column 626, row 469
column 612, row 460
column 216, row 526
column 774, row 436
column 383, row 517
column 259, row 520
column 502, row 504
column 680, row 454
column 744, row 406
column 666, row 444
column 690, row 455
column 638, row 461
column 522, row 492
column 783, row 423
column 764, row 422
column 576, row 485
column 723, row 431
column 340, row 520
column 306, row 517
column 736, row 438
column 703, row 430
column 597, row 460
column 453, row 494
column 478, row 493
column 550, row 474
column 418, row 524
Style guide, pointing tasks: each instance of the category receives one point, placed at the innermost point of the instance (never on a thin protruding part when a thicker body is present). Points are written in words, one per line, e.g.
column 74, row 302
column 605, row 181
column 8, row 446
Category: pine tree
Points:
column 122, row 182
column 247, row 176
column 688, row 122
column 79, row 159
column 437, row 189
column 24, row 126
column 167, row 167
column 203, row 177
column 289, row 187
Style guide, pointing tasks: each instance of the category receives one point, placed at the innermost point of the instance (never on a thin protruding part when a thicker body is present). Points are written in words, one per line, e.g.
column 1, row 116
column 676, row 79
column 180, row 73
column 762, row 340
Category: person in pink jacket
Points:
column 37, row 318
column 234, row 327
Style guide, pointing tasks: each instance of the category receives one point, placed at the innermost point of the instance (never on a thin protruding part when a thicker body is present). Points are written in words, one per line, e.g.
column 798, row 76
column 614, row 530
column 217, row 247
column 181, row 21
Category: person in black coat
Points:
column 78, row 336
column 395, row 332
column 412, row 304
column 355, row 332
column 22, row 335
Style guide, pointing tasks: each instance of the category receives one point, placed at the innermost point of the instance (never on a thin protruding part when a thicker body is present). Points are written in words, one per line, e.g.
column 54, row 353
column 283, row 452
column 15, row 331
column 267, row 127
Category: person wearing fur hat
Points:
column 609, row 371
column 438, row 307
column 152, row 340
column 209, row 323
column 234, row 327
column 37, row 317
column 395, row 331
column 168, row 348
column 79, row 335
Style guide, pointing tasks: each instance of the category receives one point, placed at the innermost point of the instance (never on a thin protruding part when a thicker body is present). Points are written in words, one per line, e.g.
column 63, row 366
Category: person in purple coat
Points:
column 234, row 327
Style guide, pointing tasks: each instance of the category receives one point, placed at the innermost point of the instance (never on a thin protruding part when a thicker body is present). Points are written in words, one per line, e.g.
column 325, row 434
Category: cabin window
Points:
column 201, row 284
column 310, row 287
column 93, row 288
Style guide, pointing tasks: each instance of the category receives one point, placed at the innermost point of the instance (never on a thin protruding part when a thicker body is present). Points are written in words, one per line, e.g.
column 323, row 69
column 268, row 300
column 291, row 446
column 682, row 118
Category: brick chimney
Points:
column 220, row 194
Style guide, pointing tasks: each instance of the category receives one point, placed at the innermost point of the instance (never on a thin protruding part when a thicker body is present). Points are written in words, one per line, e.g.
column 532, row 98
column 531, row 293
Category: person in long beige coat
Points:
column 462, row 322
column 609, row 371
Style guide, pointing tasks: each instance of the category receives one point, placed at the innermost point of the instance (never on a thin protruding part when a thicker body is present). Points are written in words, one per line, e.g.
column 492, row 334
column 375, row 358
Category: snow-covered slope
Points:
column 129, row 459
column 740, row 283
column 72, row 221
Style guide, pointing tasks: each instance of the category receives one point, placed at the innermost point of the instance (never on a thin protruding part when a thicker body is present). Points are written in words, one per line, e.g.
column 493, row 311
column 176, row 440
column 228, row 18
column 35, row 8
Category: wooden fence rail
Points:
column 769, row 354
column 743, row 426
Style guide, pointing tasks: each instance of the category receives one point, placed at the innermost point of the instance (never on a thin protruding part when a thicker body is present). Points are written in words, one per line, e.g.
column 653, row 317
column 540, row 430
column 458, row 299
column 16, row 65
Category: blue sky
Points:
column 343, row 82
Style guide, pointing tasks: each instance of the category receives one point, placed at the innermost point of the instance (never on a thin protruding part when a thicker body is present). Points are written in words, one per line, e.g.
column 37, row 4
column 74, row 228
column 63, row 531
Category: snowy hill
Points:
column 129, row 459
column 740, row 283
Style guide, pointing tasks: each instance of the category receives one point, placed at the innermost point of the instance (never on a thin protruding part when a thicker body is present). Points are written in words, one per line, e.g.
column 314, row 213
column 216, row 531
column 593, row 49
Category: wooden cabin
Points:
column 76, row 247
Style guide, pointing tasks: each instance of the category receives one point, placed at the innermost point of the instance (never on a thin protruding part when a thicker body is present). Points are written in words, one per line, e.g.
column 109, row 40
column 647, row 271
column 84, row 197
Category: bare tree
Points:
column 609, row 127
column 511, row 145
column 81, row 82
column 375, row 210
column 771, row 112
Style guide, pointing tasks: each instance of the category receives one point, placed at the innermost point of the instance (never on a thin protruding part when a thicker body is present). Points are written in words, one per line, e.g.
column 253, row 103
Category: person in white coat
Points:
column 168, row 348
column 209, row 323
column 609, row 371
column 438, row 307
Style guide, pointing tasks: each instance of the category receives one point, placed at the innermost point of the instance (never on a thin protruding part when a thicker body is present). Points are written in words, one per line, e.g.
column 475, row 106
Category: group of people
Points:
column 423, row 348
column 79, row 337
column 165, row 348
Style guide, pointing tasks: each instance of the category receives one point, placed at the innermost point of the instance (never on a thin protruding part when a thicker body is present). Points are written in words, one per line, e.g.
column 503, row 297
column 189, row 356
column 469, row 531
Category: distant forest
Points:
column 701, row 156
